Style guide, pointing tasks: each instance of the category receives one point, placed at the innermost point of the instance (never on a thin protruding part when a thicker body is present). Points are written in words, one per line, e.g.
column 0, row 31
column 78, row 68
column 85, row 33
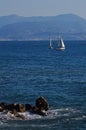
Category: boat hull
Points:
column 61, row 49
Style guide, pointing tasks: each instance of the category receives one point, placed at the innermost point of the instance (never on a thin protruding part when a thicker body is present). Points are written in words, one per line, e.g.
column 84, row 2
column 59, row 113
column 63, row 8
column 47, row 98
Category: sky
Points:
column 30, row 8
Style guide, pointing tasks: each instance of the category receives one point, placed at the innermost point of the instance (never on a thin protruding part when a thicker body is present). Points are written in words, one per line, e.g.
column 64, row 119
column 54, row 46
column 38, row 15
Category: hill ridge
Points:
column 70, row 26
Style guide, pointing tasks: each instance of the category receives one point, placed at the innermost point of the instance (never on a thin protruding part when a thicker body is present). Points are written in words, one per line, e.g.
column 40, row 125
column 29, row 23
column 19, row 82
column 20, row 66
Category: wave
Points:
column 66, row 114
column 62, row 114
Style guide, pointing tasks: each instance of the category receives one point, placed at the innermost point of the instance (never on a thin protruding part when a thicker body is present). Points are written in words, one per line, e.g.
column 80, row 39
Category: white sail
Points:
column 51, row 43
column 61, row 45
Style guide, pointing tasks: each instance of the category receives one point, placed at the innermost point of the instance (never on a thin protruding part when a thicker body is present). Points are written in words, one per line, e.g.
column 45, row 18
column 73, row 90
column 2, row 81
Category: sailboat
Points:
column 61, row 45
column 51, row 47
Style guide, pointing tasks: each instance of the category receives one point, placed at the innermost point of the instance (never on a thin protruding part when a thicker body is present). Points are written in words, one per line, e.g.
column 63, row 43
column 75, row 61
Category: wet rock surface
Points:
column 40, row 107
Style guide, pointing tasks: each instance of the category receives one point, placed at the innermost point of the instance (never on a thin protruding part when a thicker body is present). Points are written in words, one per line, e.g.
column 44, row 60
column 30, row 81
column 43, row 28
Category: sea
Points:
column 29, row 69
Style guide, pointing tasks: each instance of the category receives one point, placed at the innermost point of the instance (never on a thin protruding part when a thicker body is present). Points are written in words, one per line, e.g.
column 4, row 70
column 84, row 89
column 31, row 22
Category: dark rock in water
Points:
column 11, row 107
column 42, row 103
column 3, row 104
column 28, row 107
column 1, row 109
column 39, row 111
column 34, row 109
column 15, row 107
column 20, row 116
column 14, row 112
column 40, row 107
column 20, row 108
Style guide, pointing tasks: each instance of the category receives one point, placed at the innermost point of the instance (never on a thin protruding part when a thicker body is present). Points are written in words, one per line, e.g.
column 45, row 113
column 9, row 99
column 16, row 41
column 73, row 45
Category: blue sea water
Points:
column 29, row 69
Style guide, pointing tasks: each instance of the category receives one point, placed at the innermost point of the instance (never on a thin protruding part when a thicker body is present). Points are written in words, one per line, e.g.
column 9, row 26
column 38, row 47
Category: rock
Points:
column 42, row 103
column 28, row 107
column 34, row 109
column 15, row 107
column 1, row 109
column 20, row 108
column 38, row 111
column 41, row 112
column 14, row 112
column 41, row 106
column 11, row 107
column 3, row 104
column 20, row 116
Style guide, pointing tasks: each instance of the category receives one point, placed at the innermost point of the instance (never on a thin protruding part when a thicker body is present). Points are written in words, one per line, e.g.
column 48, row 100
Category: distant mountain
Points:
column 69, row 26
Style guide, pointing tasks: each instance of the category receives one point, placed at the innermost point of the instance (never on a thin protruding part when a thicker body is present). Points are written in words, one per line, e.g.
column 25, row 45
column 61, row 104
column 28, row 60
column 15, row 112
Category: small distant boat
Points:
column 61, row 45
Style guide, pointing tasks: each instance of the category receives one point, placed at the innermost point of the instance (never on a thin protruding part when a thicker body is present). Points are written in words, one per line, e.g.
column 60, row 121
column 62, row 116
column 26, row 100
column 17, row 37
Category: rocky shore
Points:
column 41, row 107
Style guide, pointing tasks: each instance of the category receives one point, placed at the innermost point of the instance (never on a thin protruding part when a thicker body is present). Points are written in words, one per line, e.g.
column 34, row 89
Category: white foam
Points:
column 67, row 113
column 29, row 116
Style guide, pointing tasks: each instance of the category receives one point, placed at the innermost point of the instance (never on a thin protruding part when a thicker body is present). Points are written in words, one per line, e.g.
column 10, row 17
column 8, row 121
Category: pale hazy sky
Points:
column 42, row 7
